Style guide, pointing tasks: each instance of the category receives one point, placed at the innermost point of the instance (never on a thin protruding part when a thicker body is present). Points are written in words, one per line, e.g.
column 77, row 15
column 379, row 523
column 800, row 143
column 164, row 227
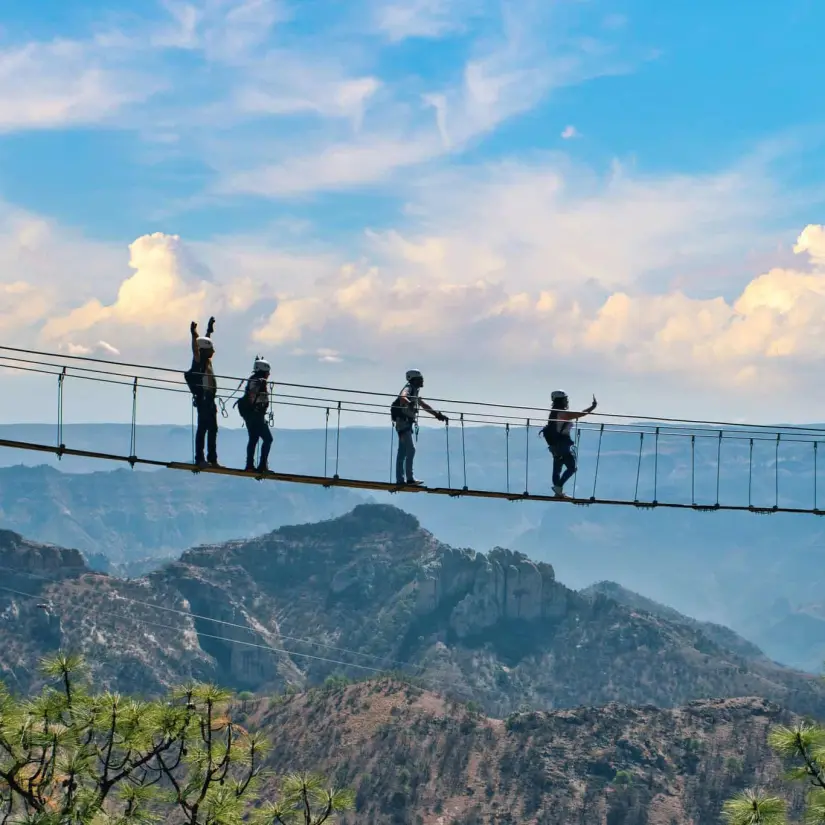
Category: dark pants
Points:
column 563, row 456
column 258, row 429
column 405, row 456
column 207, row 430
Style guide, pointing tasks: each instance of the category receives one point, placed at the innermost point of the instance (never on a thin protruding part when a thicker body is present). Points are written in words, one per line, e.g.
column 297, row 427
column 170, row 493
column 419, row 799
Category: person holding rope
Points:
column 201, row 380
column 253, row 406
column 404, row 413
column 559, row 440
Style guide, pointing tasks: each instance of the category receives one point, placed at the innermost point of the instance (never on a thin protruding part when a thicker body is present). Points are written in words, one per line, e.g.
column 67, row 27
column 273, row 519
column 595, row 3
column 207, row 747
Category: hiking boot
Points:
column 263, row 470
column 201, row 464
column 213, row 465
column 559, row 491
column 414, row 482
column 250, row 468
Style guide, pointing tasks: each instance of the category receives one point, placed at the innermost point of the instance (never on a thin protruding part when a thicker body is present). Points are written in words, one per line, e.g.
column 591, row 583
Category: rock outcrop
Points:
column 486, row 589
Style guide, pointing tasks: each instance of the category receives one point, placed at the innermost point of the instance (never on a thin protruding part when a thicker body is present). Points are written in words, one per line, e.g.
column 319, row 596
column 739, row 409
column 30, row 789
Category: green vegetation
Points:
column 69, row 756
column 803, row 745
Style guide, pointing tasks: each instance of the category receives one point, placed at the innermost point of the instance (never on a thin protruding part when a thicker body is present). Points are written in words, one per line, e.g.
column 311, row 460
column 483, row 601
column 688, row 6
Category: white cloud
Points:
column 423, row 18
column 569, row 132
column 163, row 292
column 506, row 77
column 60, row 83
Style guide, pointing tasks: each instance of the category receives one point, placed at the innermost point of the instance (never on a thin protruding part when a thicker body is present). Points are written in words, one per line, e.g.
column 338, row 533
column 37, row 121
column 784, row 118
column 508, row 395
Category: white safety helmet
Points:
column 413, row 374
column 557, row 394
column 261, row 365
column 205, row 343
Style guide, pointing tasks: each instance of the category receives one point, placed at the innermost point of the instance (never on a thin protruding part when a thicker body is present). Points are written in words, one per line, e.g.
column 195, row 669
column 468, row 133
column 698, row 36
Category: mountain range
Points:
column 367, row 592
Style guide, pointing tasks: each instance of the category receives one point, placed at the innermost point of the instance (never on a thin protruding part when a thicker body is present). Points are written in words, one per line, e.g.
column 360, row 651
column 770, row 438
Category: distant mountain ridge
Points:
column 723, row 636
column 372, row 589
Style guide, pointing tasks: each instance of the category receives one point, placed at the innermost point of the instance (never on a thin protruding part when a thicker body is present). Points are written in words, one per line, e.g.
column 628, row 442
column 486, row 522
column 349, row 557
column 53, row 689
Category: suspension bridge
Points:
column 714, row 460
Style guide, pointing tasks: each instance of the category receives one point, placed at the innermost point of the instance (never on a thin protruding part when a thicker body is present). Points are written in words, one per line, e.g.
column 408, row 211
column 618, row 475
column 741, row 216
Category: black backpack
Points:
column 551, row 432
column 194, row 380
column 396, row 409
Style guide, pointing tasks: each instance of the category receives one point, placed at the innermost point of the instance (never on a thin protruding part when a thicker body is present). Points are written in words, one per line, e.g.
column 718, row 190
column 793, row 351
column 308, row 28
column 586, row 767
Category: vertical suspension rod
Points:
column 527, row 458
column 133, row 434
column 693, row 469
column 326, row 440
column 463, row 451
column 449, row 475
column 507, row 453
column 816, row 445
column 639, row 466
column 776, row 472
column 750, row 475
column 337, row 440
column 578, row 440
column 718, row 465
column 598, row 457
column 656, row 469
column 60, row 379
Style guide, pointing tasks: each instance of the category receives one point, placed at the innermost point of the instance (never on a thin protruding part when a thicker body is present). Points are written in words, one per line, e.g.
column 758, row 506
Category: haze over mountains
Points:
column 761, row 575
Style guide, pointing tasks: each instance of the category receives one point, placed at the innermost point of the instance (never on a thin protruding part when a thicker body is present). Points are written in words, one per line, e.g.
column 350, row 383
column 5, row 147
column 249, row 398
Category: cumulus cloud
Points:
column 164, row 289
column 569, row 132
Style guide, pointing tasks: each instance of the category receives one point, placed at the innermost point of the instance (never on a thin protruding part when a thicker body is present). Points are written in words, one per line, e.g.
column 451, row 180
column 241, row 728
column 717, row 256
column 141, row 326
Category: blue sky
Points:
column 624, row 186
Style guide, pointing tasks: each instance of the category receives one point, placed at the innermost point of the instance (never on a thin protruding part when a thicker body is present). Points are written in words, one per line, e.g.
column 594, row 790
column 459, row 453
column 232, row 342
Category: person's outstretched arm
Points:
column 435, row 413
column 567, row 415
column 193, row 329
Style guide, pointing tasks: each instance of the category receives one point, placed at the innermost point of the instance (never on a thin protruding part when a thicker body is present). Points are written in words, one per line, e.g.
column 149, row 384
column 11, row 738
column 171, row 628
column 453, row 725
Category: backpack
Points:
column 396, row 412
column 244, row 406
column 551, row 432
column 397, row 409
column 194, row 380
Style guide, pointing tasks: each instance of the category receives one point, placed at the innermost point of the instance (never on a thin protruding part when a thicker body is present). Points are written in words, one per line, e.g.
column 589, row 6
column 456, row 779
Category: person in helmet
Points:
column 254, row 406
column 559, row 439
column 207, row 433
column 405, row 414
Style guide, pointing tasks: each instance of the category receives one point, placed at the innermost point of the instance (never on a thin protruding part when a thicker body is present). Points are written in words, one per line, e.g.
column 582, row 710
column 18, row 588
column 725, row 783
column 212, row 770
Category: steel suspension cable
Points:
column 663, row 419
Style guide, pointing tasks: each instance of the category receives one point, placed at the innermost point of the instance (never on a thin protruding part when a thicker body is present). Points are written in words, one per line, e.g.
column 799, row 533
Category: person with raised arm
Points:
column 201, row 380
column 557, row 434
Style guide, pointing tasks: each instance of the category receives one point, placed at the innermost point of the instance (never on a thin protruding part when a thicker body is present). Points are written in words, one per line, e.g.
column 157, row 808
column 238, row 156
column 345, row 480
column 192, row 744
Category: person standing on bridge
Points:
column 253, row 406
column 204, row 388
column 404, row 412
column 559, row 440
